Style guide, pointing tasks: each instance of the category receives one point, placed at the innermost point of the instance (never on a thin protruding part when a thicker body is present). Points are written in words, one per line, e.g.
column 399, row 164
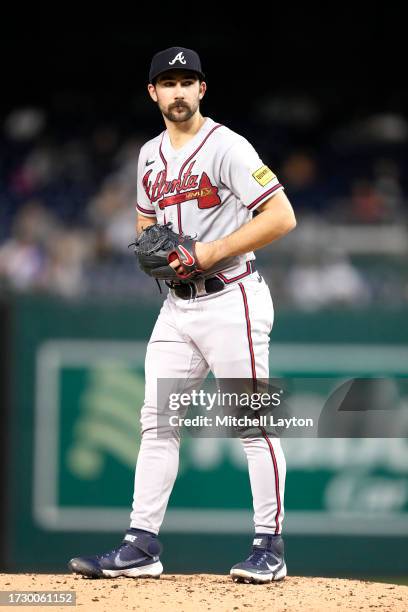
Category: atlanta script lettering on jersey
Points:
column 186, row 187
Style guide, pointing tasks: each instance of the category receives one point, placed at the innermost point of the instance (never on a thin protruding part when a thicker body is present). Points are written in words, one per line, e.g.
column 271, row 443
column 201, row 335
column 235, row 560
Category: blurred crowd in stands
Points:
column 67, row 213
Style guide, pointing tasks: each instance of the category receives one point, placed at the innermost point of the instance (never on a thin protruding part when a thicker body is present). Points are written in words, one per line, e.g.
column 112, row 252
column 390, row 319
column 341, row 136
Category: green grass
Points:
column 388, row 579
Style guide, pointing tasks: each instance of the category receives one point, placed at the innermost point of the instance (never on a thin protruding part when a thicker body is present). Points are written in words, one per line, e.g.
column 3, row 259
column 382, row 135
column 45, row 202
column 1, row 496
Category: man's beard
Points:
column 177, row 116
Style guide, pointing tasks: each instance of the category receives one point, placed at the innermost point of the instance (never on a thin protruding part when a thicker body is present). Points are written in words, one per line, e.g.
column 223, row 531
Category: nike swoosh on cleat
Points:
column 149, row 163
column 120, row 563
column 272, row 567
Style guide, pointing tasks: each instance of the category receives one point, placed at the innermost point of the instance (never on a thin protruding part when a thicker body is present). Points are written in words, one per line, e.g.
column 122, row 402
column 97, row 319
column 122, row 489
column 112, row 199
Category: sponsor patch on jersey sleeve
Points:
column 263, row 175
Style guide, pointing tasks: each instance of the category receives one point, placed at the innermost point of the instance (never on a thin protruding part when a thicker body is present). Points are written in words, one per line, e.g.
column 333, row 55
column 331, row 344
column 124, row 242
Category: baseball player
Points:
column 207, row 181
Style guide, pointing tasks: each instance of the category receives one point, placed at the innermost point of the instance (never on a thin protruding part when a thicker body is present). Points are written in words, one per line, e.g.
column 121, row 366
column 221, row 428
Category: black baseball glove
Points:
column 157, row 246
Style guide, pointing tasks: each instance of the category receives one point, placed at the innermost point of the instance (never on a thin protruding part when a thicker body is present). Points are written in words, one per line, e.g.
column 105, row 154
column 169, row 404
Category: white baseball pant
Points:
column 227, row 333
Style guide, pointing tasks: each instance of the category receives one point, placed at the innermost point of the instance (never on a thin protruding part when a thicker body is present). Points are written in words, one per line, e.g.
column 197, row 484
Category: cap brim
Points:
column 153, row 77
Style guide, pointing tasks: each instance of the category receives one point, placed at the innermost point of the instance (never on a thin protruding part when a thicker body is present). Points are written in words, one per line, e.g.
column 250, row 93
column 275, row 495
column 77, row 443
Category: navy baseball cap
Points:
column 175, row 58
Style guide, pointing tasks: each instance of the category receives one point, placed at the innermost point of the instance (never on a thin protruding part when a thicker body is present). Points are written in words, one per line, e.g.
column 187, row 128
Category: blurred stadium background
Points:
column 323, row 102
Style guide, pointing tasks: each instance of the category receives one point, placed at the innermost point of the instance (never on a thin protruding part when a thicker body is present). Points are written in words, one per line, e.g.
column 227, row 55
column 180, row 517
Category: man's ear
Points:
column 152, row 91
column 203, row 89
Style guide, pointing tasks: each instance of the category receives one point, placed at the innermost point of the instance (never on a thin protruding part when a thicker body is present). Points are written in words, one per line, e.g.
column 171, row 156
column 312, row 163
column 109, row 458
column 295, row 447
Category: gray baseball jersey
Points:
column 208, row 188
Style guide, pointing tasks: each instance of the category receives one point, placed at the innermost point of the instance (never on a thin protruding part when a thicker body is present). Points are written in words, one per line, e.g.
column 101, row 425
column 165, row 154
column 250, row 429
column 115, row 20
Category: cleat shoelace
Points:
column 258, row 556
column 114, row 550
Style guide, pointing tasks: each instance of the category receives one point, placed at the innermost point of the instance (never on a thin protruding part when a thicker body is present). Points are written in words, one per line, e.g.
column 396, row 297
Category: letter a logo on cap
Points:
column 179, row 58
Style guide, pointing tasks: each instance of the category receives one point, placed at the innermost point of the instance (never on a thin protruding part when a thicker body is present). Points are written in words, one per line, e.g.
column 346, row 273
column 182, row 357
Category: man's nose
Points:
column 179, row 91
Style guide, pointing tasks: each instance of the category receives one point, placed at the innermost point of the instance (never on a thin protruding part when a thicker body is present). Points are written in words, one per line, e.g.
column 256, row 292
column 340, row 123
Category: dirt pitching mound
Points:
column 192, row 593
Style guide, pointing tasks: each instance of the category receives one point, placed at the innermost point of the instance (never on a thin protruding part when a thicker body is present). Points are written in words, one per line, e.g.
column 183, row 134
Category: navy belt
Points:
column 207, row 286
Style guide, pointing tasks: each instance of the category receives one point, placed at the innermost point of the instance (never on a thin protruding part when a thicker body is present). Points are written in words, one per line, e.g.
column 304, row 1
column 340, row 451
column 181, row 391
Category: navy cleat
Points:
column 265, row 564
column 137, row 556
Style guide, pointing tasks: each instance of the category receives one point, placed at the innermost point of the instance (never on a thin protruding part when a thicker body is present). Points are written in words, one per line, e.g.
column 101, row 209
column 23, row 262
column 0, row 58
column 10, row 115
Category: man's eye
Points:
column 173, row 84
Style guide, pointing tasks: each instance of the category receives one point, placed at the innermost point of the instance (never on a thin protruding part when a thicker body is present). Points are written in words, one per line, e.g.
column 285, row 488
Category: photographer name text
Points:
column 244, row 421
